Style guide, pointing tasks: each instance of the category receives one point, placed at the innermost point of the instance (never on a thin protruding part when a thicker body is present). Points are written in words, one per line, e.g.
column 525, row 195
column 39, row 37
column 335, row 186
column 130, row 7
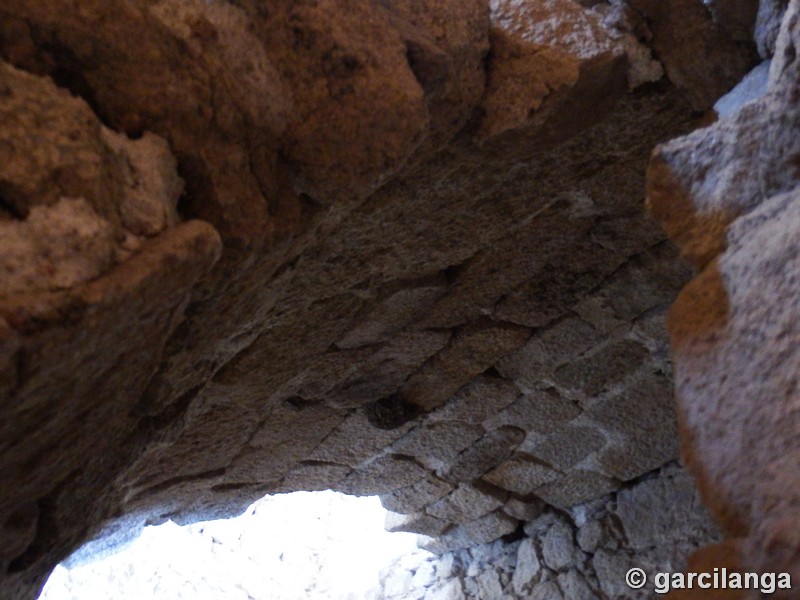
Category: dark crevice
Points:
column 516, row 535
column 159, row 419
column 391, row 412
column 299, row 403
column 9, row 209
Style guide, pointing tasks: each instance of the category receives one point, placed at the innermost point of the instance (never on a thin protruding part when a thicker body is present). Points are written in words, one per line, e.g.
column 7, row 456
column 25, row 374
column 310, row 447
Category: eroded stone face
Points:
column 418, row 266
column 728, row 195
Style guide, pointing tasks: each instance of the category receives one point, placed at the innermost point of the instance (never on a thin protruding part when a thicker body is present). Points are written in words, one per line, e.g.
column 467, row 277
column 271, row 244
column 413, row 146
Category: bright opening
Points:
column 305, row 545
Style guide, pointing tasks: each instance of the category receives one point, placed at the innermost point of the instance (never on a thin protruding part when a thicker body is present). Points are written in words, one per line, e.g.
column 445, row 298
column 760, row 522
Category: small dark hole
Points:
column 390, row 412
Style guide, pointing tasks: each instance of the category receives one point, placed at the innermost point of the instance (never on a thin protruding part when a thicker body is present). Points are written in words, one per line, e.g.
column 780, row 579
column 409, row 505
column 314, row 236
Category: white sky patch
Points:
column 305, row 545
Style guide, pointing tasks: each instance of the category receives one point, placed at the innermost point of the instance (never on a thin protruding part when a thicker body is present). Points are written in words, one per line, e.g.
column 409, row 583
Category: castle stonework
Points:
column 526, row 269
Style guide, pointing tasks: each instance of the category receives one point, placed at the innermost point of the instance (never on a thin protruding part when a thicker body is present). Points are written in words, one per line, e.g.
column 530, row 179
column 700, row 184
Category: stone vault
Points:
column 394, row 248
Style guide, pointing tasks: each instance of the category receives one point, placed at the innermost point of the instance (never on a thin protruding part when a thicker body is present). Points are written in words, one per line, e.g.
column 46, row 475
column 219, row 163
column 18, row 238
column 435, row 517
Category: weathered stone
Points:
column 416, row 496
column 541, row 411
column 561, row 342
column 641, row 453
column 313, row 477
column 575, row 487
column 479, row 400
column 473, row 349
column 465, row 503
column 549, row 590
column 414, row 227
column 521, row 476
column 684, row 30
column 573, row 585
column 538, row 51
column 275, row 445
column 452, row 590
column 436, row 444
column 590, row 536
column 489, row 585
column 752, row 87
column 558, row 546
column 379, row 372
column 528, row 567
column 736, row 18
column 339, row 447
column 656, row 509
column 380, row 476
column 480, row 531
column 568, row 446
column 395, row 311
column 646, row 406
column 611, row 569
column 524, row 510
column 415, row 523
column 768, row 24
column 487, row 452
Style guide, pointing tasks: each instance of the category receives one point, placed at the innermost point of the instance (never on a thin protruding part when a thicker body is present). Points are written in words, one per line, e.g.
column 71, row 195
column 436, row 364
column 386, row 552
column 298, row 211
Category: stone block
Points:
column 557, row 344
column 548, row 590
column 338, row 447
column 568, row 446
column 574, row 586
column 639, row 454
column 597, row 311
column 451, row 590
column 553, row 292
column 646, row 406
column 480, row 399
column 521, row 476
column 481, row 531
column 528, row 567
column 437, row 443
column 597, row 371
column 664, row 507
column 576, row 487
column 610, row 569
column 466, row 503
column 652, row 278
column 488, row 584
column 540, row 411
column 385, row 368
column 473, row 349
column 487, row 452
column 558, row 546
column 314, row 477
column 381, row 476
column 523, row 509
column 684, row 31
column 420, row 523
column 393, row 311
column 415, row 496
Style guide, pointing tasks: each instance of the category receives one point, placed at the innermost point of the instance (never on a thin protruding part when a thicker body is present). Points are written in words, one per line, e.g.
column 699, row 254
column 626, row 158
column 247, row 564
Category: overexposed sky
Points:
column 300, row 546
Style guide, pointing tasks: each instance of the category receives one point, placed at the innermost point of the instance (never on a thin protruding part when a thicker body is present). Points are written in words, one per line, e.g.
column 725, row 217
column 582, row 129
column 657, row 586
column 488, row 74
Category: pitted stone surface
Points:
column 582, row 552
column 728, row 196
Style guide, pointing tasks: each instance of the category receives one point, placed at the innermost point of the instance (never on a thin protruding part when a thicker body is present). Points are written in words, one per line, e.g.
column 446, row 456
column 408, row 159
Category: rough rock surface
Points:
column 383, row 247
column 581, row 553
column 728, row 195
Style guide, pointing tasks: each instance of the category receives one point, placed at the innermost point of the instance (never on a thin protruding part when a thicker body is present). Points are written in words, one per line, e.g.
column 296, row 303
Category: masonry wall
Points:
column 384, row 248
